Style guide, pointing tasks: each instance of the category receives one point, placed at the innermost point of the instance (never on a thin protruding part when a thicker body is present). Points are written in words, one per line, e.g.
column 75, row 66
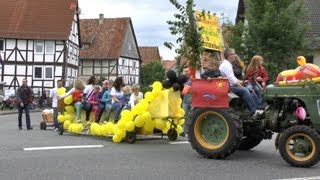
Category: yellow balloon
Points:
column 165, row 130
column 69, row 109
column 138, row 121
column 68, row 100
column 157, row 85
column 129, row 126
column 181, row 122
column 68, row 117
column 179, row 129
column 66, row 124
column 121, row 124
column 61, row 118
column 146, row 116
column 156, row 93
column 116, row 139
column 93, row 128
column 79, row 128
column 109, row 126
column 61, row 91
column 148, row 96
column 121, row 134
column 149, row 125
column 104, row 130
column 160, row 124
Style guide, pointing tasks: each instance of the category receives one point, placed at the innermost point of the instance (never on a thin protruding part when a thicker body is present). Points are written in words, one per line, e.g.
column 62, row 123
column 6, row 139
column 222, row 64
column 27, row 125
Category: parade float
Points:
column 158, row 112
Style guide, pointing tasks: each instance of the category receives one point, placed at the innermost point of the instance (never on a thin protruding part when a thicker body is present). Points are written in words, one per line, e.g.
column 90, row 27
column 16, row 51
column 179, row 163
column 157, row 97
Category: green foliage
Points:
column 189, row 37
column 313, row 87
column 151, row 72
column 274, row 30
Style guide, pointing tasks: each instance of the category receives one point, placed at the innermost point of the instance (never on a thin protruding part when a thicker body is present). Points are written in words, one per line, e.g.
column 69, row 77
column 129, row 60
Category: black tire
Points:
column 300, row 140
column 217, row 123
column 41, row 125
column 249, row 142
column 172, row 134
column 60, row 128
column 131, row 137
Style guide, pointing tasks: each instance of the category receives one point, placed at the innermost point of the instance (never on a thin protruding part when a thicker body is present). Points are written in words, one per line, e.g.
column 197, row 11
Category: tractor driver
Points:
column 236, row 85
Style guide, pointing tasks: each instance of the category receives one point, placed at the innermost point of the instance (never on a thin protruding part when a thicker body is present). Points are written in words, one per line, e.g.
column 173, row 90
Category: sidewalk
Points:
column 15, row 111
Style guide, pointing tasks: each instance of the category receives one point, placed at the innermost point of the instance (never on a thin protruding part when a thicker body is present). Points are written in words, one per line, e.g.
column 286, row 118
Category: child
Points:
column 76, row 93
column 94, row 102
column 106, row 99
column 126, row 97
column 136, row 96
column 212, row 71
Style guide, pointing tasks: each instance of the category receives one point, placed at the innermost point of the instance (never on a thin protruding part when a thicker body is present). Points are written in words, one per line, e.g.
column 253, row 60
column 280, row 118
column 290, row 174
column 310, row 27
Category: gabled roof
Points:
column 169, row 64
column 149, row 54
column 37, row 19
column 105, row 39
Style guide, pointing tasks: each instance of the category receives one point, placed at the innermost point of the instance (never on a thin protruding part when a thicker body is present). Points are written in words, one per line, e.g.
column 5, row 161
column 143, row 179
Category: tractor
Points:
column 293, row 115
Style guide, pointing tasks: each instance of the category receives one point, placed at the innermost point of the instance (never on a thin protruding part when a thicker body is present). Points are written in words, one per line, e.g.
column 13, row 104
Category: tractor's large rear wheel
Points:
column 299, row 146
column 215, row 133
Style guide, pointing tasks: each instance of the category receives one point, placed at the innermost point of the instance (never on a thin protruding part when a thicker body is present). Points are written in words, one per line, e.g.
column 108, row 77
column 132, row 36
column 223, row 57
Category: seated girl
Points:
column 136, row 95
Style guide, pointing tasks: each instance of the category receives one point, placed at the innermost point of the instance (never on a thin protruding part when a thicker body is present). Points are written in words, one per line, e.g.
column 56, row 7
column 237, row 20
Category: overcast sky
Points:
column 149, row 17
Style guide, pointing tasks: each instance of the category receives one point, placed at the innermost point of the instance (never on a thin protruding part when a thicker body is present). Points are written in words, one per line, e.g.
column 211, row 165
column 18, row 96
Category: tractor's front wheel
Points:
column 215, row 133
column 299, row 146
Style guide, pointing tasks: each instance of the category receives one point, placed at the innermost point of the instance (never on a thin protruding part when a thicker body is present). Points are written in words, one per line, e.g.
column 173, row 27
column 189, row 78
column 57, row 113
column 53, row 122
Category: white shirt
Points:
column 227, row 72
column 116, row 93
column 88, row 90
column 54, row 95
column 134, row 98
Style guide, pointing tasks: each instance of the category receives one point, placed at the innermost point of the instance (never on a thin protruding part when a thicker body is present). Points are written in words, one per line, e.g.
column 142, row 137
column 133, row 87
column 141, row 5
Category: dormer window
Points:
column 1, row 45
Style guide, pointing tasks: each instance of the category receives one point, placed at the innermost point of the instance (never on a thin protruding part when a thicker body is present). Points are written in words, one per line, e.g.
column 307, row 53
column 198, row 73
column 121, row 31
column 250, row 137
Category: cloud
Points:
column 149, row 17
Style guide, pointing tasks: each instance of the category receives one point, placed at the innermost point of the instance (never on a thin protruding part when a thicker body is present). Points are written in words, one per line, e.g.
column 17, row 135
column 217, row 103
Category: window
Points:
column 39, row 47
column 48, row 73
column 1, row 45
column 37, row 72
column 50, row 47
column 85, row 46
column 43, row 72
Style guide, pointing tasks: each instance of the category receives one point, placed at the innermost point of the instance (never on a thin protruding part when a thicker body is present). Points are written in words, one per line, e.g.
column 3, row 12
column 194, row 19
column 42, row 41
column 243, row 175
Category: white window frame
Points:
column 47, row 44
column 38, row 42
column 3, row 45
column 34, row 72
column 45, row 72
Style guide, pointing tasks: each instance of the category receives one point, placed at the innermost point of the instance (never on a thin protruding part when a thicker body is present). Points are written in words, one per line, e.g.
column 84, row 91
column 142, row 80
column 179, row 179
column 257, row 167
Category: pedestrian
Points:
column 236, row 84
column 187, row 100
column 24, row 98
column 54, row 98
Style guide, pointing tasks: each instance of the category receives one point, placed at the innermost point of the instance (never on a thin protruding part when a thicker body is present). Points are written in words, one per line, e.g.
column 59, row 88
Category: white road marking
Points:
column 61, row 147
column 303, row 178
column 179, row 142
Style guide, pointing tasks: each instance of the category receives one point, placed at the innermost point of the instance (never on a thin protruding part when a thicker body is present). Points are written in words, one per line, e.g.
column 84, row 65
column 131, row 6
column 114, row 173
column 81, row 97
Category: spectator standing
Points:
column 24, row 98
column 54, row 98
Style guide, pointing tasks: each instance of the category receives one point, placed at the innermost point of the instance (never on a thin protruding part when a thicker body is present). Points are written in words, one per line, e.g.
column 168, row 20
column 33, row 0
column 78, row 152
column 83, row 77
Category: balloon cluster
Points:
column 140, row 116
column 174, row 81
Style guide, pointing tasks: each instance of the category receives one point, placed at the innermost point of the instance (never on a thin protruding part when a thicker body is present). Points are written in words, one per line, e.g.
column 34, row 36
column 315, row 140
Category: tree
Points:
column 151, row 72
column 275, row 30
column 188, row 33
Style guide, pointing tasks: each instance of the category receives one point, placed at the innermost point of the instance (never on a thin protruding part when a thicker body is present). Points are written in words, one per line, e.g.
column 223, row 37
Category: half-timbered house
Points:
column 39, row 41
column 109, row 49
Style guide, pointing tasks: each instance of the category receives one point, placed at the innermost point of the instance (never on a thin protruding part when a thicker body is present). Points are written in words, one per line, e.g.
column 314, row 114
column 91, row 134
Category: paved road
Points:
column 146, row 159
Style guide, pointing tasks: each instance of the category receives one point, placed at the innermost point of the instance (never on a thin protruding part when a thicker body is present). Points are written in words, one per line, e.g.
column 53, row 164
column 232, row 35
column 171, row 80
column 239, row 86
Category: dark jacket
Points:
column 24, row 95
column 238, row 71
column 210, row 73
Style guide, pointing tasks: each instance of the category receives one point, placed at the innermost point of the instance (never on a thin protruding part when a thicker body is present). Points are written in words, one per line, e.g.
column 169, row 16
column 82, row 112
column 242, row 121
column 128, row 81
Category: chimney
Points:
column 101, row 17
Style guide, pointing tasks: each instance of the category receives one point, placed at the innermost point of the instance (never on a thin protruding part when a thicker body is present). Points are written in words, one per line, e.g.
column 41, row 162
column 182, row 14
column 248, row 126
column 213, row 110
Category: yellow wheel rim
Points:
column 300, row 147
column 211, row 130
